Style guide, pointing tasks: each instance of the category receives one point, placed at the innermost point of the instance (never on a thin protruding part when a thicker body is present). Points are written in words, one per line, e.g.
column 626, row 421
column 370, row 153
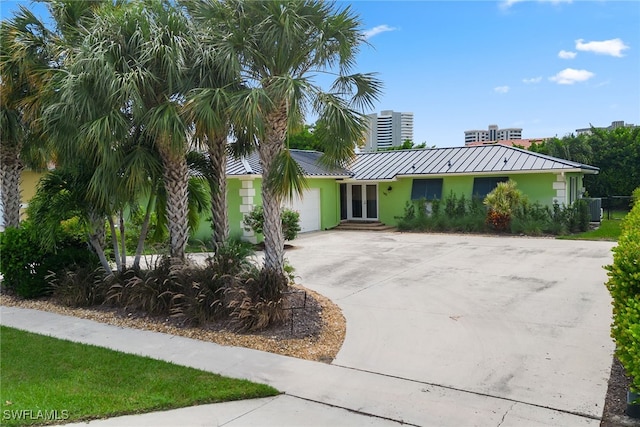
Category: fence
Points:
column 616, row 203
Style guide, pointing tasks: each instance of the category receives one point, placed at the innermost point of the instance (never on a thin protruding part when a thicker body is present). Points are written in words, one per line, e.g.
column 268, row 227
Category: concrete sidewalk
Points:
column 316, row 394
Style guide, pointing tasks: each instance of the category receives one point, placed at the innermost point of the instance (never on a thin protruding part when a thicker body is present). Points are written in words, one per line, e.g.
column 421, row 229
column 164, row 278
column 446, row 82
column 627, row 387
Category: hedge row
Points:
column 624, row 286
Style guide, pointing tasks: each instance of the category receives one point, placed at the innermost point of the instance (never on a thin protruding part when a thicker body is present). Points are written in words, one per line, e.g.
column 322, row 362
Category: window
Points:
column 484, row 186
column 573, row 189
column 429, row 189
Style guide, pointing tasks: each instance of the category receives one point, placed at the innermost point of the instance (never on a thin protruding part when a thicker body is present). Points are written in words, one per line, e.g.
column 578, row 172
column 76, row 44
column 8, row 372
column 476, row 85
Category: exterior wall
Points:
column 391, row 203
column 538, row 187
column 245, row 193
column 544, row 188
column 329, row 201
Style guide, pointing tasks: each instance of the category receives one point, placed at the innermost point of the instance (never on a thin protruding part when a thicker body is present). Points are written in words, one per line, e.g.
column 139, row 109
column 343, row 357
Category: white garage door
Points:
column 309, row 209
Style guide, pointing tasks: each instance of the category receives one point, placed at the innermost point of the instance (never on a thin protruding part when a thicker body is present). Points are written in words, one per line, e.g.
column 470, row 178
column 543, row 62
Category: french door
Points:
column 362, row 202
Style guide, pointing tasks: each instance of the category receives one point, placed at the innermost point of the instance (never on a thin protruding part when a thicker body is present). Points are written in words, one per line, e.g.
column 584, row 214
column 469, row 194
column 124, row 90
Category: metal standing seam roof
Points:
column 387, row 165
column 309, row 161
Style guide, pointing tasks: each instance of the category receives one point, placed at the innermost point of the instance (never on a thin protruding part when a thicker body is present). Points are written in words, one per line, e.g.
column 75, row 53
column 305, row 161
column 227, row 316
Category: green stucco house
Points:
column 377, row 185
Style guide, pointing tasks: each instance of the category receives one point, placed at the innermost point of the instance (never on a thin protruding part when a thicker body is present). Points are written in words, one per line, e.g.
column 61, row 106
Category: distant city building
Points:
column 519, row 143
column 614, row 125
column 389, row 129
column 491, row 135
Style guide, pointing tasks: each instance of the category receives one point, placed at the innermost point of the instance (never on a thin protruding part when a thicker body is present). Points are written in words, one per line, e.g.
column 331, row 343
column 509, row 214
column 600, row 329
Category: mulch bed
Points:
column 615, row 403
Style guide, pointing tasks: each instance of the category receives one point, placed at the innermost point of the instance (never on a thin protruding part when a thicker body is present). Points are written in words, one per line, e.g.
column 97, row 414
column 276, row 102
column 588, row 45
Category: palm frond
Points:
column 286, row 177
column 363, row 89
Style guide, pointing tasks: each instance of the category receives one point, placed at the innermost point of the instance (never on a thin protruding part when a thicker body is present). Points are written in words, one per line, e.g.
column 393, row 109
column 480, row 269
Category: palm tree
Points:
column 278, row 46
column 126, row 82
column 24, row 65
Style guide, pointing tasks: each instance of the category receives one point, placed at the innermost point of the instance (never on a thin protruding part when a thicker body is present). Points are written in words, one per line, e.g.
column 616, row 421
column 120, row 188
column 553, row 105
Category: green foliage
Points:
column 458, row 214
column 624, row 286
column 616, row 152
column 305, row 139
column 406, row 145
column 25, row 264
column 254, row 220
column 635, row 196
column 502, row 202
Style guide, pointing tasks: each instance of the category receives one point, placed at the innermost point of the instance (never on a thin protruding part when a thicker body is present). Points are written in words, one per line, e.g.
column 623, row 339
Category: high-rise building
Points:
column 614, row 125
column 492, row 134
column 389, row 129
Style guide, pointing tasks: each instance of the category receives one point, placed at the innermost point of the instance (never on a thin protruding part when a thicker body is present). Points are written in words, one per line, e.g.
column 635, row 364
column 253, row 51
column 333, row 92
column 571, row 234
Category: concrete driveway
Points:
column 523, row 319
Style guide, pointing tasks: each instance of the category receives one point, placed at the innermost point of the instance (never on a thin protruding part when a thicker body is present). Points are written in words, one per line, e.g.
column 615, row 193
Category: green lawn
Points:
column 47, row 378
column 609, row 229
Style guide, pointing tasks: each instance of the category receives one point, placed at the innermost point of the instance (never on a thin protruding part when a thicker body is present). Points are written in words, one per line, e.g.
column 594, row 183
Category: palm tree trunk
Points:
column 96, row 239
column 176, row 181
column 10, row 172
column 144, row 231
column 218, row 156
column 269, row 150
column 114, row 243
column 123, row 241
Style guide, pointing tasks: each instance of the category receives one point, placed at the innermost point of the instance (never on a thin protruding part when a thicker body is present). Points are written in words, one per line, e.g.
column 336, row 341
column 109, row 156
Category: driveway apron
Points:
column 524, row 319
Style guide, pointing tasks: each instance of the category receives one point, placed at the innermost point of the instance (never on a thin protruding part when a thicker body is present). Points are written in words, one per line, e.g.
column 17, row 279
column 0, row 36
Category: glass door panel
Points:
column 356, row 201
column 372, row 201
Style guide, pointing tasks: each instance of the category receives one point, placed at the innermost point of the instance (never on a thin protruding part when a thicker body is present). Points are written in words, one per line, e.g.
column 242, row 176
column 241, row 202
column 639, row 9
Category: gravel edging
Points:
column 317, row 340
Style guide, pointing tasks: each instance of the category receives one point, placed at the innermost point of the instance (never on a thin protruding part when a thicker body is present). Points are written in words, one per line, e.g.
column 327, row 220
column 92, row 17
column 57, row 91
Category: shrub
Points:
column 635, row 196
column 82, row 287
column 502, row 202
column 258, row 301
column 577, row 216
column 254, row 220
column 624, row 286
column 20, row 258
column 25, row 265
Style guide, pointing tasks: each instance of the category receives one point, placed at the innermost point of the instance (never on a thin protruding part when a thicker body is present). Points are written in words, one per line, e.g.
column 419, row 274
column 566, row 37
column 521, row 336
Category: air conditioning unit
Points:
column 595, row 208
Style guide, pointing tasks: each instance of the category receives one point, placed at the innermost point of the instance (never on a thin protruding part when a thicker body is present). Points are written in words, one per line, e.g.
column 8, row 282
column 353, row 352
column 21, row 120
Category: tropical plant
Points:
column 25, row 55
column 502, row 202
column 123, row 86
column 254, row 220
column 278, row 47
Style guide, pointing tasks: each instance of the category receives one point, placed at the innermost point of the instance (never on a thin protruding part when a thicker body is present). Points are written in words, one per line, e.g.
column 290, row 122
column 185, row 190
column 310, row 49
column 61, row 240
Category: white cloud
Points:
column 532, row 80
column 569, row 76
column 501, row 89
column 613, row 47
column 377, row 30
column 565, row 54
column 508, row 3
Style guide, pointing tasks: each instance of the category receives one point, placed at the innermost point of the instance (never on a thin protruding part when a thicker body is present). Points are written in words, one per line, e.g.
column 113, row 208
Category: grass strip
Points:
column 609, row 229
column 44, row 380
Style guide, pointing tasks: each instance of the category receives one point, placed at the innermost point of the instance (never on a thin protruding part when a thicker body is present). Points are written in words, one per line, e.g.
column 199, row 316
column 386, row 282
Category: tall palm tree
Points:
column 127, row 81
column 24, row 65
column 29, row 54
column 278, row 47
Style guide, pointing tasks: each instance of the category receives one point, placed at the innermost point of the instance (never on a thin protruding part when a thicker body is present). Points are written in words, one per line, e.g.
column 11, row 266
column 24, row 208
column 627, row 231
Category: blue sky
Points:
column 548, row 67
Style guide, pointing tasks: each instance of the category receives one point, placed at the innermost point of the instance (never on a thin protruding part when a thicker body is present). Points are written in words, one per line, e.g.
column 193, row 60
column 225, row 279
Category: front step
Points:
column 364, row 226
